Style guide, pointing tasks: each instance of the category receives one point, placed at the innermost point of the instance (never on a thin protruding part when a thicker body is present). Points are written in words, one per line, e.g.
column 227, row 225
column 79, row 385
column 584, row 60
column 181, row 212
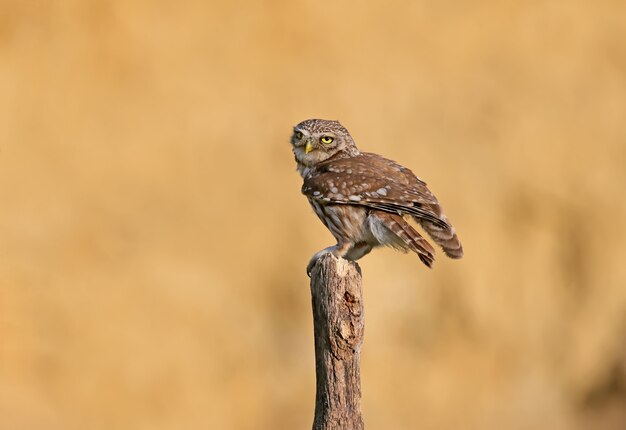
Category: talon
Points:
column 309, row 267
column 313, row 261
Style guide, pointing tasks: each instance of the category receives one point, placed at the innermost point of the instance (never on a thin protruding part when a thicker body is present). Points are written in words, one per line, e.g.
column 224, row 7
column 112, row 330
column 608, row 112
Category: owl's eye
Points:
column 298, row 135
column 327, row 139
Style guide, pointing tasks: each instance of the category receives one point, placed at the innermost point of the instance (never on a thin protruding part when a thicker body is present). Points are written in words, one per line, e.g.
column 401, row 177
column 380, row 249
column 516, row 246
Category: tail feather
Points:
column 406, row 238
column 445, row 237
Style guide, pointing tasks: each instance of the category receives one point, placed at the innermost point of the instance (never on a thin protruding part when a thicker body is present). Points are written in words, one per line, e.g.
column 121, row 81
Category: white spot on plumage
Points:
column 334, row 190
column 382, row 191
column 316, row 193
column 355, row 198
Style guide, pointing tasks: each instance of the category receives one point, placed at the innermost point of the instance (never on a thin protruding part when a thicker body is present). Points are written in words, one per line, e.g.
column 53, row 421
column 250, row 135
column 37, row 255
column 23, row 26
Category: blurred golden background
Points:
column 153, row 239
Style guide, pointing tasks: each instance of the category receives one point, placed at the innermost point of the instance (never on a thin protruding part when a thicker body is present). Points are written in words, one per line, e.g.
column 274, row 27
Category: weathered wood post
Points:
column 338, row 329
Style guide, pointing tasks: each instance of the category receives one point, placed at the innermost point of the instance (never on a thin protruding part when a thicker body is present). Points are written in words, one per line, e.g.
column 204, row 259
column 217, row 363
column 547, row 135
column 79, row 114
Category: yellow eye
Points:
column 327, row 139
column 298, row 135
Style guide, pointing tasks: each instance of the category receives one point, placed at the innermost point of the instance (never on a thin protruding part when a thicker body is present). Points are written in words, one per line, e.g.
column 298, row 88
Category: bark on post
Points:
column 338, row 329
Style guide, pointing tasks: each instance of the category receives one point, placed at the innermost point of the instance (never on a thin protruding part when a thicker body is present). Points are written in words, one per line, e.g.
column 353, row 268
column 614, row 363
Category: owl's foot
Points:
column 338, row 250
column 313, row 261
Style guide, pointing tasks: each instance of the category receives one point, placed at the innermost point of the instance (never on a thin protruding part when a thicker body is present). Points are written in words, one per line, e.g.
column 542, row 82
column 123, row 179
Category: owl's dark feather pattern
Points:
column 413, row 240
column 363, row 198
column 368, row 180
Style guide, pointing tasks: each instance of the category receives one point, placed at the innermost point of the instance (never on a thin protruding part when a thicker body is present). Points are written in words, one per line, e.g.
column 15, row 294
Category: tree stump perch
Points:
column 338, row 329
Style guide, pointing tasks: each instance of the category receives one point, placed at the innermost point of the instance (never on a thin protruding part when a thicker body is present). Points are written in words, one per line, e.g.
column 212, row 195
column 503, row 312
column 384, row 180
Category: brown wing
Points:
column 373, row 181
column 407, row 237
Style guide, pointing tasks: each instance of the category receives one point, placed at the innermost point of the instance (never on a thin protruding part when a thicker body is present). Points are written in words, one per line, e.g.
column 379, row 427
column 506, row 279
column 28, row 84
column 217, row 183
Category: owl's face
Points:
column 316, row 140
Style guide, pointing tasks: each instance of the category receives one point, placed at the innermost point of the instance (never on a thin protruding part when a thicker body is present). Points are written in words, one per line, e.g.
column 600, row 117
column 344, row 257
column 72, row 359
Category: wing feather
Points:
column 372, row 181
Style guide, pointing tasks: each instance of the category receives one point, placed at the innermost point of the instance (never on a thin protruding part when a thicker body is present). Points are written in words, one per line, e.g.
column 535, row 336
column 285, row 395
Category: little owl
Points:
column 365, row 199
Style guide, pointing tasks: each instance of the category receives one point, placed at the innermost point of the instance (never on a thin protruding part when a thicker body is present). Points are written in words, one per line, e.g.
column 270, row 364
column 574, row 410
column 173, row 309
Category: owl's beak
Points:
column 309, row 147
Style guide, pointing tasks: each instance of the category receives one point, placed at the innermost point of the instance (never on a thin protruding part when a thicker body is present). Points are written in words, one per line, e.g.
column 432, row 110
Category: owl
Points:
column 366, row 200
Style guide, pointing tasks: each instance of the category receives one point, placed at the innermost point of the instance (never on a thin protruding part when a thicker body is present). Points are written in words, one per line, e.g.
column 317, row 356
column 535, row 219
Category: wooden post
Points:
column 338, row 329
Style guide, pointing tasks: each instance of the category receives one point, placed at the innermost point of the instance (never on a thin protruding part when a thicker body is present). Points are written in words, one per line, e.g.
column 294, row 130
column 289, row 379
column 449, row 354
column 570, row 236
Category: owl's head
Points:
column 316, row 140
